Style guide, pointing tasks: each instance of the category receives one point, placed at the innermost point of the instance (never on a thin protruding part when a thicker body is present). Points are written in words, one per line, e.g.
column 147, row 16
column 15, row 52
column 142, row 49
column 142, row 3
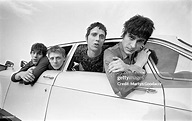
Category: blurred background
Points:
column 25, row 22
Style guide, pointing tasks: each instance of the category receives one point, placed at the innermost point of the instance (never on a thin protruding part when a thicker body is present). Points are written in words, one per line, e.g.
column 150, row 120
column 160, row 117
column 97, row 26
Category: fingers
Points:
column 147, row 51
column 28, row 77
column 115, row 65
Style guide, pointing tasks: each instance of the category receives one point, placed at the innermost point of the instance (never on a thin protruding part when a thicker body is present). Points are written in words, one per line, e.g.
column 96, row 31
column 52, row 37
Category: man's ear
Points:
column 86, row 38
column 145, row 42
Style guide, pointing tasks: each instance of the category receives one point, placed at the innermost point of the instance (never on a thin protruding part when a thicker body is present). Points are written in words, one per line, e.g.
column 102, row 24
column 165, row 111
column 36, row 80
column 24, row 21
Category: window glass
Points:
column 171, row 63
column 67, row 49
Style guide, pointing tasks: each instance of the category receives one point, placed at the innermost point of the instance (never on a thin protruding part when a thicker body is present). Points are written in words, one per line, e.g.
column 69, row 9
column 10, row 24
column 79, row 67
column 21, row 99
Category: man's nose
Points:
column 35, row 54
column 54, row 60
column 133, row 44
column 97, row 38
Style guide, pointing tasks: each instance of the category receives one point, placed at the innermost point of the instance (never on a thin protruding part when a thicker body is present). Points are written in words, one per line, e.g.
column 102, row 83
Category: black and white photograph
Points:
column 95, row 60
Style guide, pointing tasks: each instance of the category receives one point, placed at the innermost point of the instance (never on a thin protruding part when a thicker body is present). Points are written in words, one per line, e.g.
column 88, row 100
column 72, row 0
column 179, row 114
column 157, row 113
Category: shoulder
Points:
column 113, row 49
column 80, row 50
column 43, row 60
column 81, row 47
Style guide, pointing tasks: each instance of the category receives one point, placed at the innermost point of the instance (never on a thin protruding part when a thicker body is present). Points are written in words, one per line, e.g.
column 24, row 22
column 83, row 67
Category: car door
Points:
column 174, row 71
column 80, row 95
column 28, row 102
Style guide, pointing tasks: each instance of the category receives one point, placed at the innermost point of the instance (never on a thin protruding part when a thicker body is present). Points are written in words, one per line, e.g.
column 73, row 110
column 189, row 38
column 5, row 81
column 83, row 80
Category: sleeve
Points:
column 25, row 68
column 123, row 83
column 108, row 57
column 40, row 68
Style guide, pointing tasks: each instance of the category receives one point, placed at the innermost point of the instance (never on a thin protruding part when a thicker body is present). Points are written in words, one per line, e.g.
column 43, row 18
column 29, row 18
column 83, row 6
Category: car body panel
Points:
column 5, row 80
column 80, row 105
column 173, row 114
column 29, row 102
column 92, row 98
column 98, row 83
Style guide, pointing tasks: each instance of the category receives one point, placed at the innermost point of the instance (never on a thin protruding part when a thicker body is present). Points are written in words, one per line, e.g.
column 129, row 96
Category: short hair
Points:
column 96, row 24
column 139, row 26
column 39, row 48
column 56, row 49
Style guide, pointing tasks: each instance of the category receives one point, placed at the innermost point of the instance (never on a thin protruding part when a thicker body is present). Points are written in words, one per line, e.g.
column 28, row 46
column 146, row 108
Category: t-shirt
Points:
column 94, row 64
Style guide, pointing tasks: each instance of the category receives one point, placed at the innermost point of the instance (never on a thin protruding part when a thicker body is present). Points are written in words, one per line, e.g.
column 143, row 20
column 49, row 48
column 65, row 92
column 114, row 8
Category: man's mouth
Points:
column 130, row 50
column 35, row 60
column 96, row 44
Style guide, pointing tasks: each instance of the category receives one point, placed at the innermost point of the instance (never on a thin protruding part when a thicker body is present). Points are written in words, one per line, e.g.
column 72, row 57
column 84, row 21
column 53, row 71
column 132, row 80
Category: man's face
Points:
column 132, row 43
column 96, row 39
column 36, row 56
column 56, row 60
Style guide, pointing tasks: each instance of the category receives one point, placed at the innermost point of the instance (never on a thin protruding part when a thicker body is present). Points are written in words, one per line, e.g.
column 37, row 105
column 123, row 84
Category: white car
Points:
column 82, row 95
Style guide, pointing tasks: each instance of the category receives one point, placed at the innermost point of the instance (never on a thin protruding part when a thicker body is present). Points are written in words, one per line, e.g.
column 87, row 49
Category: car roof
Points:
column 173, row 40
column 161, row 38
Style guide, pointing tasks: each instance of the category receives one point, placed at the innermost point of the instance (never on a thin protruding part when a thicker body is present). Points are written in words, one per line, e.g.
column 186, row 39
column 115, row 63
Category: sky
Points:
column 24, row 22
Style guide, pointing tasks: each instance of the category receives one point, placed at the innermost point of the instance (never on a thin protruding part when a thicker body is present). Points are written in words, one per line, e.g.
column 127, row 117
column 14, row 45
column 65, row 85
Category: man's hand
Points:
column 142, row 57
column 117, row 65
column 27, row 76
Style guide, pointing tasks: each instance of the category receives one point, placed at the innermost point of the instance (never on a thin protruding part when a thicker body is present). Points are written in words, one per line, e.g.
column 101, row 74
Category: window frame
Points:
column 178, row 49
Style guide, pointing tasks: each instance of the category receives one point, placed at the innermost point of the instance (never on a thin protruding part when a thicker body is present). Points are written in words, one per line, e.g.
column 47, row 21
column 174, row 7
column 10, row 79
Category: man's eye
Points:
column 58, row 58
column 131, row 37
column 32, row 52
column 102, row 36
column 39, row 53
column 140, row 41
column 94, row 34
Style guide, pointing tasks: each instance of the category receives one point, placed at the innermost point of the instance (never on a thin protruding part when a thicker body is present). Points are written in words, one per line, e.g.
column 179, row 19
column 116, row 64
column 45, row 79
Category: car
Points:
column 165, row 95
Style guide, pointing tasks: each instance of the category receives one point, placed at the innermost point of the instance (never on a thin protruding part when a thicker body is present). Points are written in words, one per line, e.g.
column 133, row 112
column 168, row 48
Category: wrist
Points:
column 17, row 76
column 139, row 64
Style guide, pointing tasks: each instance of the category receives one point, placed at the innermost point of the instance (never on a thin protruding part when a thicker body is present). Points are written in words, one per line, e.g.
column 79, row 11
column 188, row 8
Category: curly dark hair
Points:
column 96, row 24
column 139, row 26
column 40, row 48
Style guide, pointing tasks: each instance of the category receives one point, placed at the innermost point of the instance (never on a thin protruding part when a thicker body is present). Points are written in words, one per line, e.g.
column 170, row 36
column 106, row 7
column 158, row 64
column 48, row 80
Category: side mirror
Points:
column 23, row 63
column 9, row 64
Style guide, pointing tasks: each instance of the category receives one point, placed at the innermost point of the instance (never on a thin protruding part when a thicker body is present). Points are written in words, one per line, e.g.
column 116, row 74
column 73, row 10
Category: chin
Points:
column 127, row 52
column 56, row 68
column 35, row 63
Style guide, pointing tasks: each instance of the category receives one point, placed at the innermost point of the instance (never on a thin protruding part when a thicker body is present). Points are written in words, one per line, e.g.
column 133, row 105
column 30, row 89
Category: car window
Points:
column 67, row 49
column 171, row 63
column 73, row 66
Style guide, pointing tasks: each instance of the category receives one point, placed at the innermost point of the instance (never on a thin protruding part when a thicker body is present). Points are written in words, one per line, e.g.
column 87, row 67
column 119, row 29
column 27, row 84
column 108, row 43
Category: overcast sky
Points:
column 24, row 22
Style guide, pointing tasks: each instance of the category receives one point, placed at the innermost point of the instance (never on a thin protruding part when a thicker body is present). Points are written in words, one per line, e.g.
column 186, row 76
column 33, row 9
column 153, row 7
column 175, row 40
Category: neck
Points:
column 93, row 54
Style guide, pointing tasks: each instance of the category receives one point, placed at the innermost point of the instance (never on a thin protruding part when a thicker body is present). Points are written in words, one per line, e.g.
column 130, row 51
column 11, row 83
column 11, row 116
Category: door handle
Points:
column 148, row 90
column 49, row 77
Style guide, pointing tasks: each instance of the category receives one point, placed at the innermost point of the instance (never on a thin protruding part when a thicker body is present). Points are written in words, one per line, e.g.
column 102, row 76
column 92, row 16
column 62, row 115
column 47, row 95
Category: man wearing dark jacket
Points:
column 32, row 70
